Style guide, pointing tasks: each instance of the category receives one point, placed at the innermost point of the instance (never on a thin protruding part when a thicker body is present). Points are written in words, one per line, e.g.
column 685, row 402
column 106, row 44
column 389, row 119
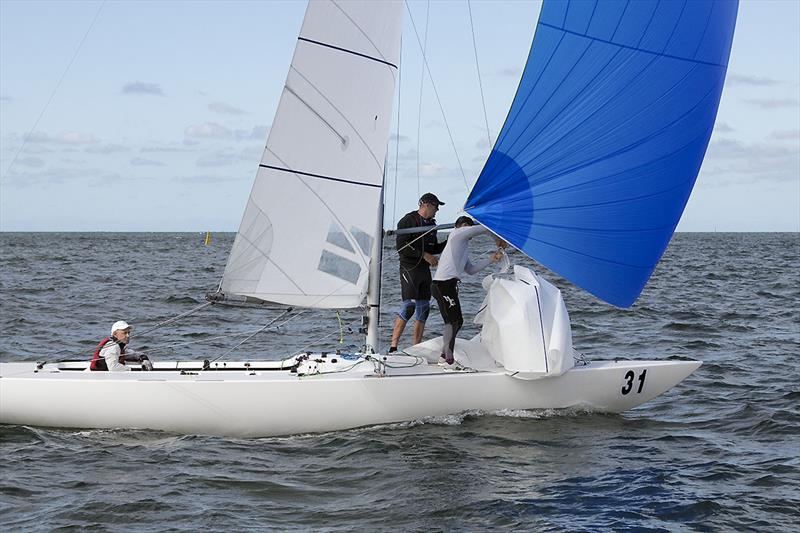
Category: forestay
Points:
column 311, row 218
column 607, row 132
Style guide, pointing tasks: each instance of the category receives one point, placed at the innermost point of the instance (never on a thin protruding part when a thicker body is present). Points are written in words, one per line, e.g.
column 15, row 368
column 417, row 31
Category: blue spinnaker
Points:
column 607, row 132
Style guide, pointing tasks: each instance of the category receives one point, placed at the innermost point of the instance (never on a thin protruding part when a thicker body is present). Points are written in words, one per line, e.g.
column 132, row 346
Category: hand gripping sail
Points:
column 607, row 132
column 310, row 222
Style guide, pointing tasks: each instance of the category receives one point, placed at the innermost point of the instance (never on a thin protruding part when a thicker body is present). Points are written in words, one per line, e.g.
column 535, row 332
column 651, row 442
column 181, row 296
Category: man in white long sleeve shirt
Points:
column 111, row 353
column 454, row 263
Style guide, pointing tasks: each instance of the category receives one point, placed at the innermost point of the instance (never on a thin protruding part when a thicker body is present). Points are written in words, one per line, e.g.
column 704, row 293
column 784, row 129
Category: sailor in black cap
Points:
column 417, row 255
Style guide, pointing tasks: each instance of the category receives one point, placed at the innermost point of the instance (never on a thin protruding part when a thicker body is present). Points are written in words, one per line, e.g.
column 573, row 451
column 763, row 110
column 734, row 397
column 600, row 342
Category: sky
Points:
column 152, row 116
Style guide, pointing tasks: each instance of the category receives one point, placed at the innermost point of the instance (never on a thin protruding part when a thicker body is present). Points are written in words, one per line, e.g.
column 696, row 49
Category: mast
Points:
column 374, row 287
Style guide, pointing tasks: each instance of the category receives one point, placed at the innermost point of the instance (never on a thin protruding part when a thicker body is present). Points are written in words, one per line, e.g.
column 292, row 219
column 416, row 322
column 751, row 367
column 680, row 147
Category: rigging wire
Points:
column 55, row 89
column 172, row 346
column 397, row 141
column 478, row 69
column 421, row 85
column 438, row 100
column 341, row 328
column 268, row 324
column 173, row 319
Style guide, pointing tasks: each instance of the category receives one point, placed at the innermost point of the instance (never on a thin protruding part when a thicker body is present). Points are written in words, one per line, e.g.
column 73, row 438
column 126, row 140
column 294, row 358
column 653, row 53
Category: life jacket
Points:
column 99, row 363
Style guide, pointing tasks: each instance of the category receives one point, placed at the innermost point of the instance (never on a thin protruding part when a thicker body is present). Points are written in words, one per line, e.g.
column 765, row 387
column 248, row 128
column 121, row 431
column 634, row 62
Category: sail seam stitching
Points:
column 359, row 54
column 360, row 29
column 341, row 114
column 265, row 254
column 644, row 165
column 622, row 149
column 322, row 201
column 524, row 166
column 626, row 200
column 595, row 257
column 660, row 54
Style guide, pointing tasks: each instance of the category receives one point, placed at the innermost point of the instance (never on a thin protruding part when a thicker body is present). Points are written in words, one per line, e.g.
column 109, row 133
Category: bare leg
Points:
column 448, row 343
column 419, row 329
column 399, row 326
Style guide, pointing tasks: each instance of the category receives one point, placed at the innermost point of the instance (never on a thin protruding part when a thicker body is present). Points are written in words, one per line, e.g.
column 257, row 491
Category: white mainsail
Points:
column 311, row 219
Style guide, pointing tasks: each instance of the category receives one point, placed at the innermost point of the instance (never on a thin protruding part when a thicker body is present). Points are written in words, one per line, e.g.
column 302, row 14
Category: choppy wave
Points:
column 718, row 453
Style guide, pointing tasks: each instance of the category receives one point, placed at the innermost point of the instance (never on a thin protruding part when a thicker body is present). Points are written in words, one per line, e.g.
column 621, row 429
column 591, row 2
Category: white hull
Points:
column 262, row 402
column 523, row 359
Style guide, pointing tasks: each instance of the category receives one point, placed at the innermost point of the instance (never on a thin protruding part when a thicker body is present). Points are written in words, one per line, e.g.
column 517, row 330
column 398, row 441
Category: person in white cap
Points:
column 112, row 353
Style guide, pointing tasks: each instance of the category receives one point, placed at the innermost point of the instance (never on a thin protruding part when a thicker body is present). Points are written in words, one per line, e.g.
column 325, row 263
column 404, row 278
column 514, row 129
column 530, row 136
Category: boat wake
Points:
column 459, row 418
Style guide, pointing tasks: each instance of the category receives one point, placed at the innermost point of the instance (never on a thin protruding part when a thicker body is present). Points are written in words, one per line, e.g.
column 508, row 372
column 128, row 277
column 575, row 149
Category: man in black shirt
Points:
column 417, row 256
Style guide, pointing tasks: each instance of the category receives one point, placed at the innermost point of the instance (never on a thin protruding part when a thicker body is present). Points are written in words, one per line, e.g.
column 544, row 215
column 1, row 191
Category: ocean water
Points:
column 720, row 452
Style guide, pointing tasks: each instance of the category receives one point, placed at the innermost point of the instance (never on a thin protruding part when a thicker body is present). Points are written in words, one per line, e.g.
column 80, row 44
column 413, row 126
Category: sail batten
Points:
column 606, row 135
column 309, row 225
column 331, row 178
column 328, row 45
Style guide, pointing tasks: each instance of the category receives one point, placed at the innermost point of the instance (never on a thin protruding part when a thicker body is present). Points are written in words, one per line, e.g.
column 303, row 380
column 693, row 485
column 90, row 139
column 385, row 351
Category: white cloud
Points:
column 735, row 149
column 723, row 127
column 207, row 179
column 140, row 87
column 72, row 161
column 212, row 130
column 144, row 162
column 508, row 72
column 106, row 149
column 31, row 148
column 482, row 144
column 744, row 79
column 409, row 155
column 773, row 103
column 221, row 107
column 166, row 148
column 258, row 133
column 65, row 138
column 229, row 157
column 208, row 130
column 252, row 153
column 790, row 135
column 737, row 161
column 215, row 160
column 31, row 161
column 431, row 169
column 39, row 178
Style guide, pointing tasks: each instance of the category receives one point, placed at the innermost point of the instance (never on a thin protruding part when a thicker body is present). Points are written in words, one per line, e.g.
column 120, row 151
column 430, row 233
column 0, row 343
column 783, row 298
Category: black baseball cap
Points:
column 429, row 198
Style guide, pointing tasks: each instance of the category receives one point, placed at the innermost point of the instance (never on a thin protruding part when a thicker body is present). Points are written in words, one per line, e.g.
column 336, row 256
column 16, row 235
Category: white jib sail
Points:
column 310, row 222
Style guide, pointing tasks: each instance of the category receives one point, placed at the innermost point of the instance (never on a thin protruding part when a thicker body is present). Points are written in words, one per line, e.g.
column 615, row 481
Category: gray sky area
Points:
column 152, row 116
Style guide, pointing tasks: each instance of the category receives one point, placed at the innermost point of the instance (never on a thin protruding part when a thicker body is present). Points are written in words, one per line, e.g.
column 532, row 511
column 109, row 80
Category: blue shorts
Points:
column 419, row 308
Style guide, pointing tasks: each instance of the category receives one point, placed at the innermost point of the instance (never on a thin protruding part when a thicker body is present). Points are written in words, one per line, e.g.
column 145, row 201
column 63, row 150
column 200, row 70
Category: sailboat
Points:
column 589, row 176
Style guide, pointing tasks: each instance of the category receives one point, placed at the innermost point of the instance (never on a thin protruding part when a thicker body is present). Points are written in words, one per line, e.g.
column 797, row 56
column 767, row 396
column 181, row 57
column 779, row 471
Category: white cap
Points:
column 119, row 324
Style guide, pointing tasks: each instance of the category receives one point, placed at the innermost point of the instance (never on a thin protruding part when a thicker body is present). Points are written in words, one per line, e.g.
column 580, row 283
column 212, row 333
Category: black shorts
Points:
column 415, row 283
column 446, row 294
